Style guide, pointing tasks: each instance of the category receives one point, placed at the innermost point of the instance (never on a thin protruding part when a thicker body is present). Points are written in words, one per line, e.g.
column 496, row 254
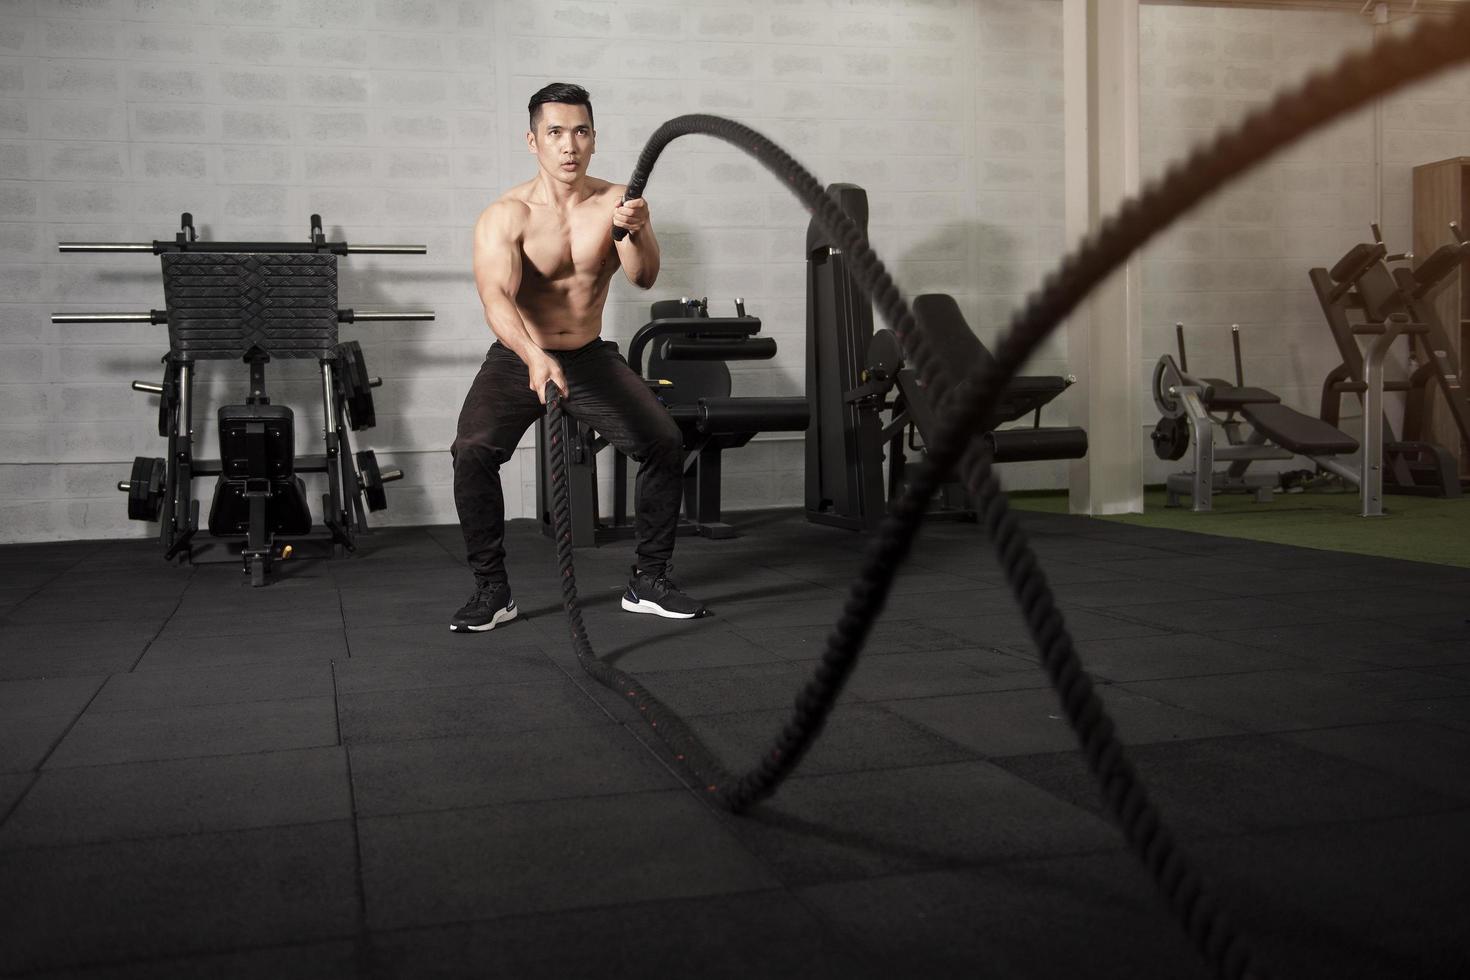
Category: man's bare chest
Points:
column 559, row 249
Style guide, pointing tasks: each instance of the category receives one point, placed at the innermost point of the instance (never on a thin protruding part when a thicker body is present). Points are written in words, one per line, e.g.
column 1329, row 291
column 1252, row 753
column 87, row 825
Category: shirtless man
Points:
column 544, row 257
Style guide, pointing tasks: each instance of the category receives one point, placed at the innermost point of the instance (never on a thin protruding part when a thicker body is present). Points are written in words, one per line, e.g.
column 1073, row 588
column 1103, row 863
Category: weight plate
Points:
column 357, row 391
column 145, row 488
column 1167, row 403
column 370, row 480
column 169, row 398
column 1170, row 438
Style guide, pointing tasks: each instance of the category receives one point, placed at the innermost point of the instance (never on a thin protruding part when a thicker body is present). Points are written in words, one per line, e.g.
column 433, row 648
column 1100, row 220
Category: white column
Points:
column 1100, row 85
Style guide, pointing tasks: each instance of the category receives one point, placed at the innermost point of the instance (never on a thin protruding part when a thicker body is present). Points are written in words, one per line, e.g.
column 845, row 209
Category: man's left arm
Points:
column 638, row 251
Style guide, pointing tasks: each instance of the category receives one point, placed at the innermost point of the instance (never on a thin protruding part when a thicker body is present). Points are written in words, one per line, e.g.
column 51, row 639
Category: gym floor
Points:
column 317, row 779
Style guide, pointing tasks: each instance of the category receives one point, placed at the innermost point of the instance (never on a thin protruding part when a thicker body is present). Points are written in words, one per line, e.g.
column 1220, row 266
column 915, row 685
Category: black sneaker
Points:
column 490, row 606
column 657, row 595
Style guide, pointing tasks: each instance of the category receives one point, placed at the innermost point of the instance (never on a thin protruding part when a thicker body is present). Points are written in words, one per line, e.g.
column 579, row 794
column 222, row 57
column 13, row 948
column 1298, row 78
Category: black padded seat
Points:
column 1297, row 432
column 1223, row 396
column 961, row 353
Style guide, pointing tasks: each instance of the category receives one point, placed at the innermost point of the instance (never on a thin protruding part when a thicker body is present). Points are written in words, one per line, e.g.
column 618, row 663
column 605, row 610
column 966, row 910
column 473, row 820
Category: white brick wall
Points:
column 399, row 120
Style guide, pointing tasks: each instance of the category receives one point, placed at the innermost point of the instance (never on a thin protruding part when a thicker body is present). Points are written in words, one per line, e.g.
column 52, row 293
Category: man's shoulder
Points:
column 509, row 212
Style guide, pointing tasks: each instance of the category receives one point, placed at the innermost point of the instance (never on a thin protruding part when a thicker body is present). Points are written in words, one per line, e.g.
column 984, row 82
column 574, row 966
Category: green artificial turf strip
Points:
column 1424, row 529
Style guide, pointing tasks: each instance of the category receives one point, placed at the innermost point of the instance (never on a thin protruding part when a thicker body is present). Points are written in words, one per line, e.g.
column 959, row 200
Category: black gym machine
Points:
column 255, row 301
column 863, row 406
column 688, row 370
column 867, row 404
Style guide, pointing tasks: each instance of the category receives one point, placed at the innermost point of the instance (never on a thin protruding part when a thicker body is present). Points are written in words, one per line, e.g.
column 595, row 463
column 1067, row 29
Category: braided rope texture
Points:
column 965, row 409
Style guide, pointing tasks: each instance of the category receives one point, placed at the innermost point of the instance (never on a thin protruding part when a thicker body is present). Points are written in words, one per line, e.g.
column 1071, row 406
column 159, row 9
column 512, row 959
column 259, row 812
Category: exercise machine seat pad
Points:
column 718, row 416
column 1223, row 396
column 1297, row 432
column 961, row 353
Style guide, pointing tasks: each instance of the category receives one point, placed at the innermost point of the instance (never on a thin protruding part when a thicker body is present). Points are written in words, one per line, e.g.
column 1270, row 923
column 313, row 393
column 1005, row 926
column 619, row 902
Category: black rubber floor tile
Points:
column 1231, row 576
column 414, row 640
column 25, row 742
column 765, row 934
column 1381, row 602
column 982, row 601
column 13, row 786
column 1451, row 712
column 183, row 796
column 40, row 697
column 31, row 575
column 382, row 573
column 378, row 716
column 1176, row 655
column 857, row 737
column 234, row 620
column 862, row 824
column 724, row 594
column 1059, row 573
column 65, row 650
column 372, row 549
column 609, row 627
column 1026, row 722
column 216, row 585
column 1085, row 551
column 1241, row 784
column 378, row 608
column 1433, row 756
column 1451, row 624
column 185, row 686
column 424, row 869
column 302, row 647
column 483, row 770
column 1407, row 684
column 1206, row 615
column 1315, row 902
column 927, row 673
column 1009, row 631
column 307, row 961
column 714, row 645
column 102, row 903
column 1126, row 591
column 1095, row 916
column 1282, row 700
column 889, row 635
column 106, row 738
column 722, row 690
column 478, row 661
column 42, row 608
column 1345, row 644
column 754, row 615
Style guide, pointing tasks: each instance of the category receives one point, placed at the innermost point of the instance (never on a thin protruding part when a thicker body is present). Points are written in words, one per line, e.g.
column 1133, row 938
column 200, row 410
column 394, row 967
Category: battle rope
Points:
column 964, row 408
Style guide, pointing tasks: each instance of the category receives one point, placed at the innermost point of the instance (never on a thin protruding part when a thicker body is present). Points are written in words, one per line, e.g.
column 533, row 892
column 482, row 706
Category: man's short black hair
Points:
column 561, row 92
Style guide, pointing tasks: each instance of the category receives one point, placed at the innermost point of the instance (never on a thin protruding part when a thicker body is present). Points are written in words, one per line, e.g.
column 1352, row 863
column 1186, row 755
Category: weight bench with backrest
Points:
column 1190, row 404
column 961, row 353
column 687, row 353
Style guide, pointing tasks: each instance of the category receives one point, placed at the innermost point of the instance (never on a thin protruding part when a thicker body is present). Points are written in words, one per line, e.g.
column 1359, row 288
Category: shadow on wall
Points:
column 981, row 265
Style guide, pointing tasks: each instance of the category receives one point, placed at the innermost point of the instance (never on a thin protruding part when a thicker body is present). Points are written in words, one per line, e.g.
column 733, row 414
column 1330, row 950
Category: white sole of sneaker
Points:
column 503, row 616
column 653, row 609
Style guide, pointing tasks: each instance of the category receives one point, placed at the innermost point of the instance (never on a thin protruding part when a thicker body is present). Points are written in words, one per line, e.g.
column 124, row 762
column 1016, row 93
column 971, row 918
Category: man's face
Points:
column 563, row 141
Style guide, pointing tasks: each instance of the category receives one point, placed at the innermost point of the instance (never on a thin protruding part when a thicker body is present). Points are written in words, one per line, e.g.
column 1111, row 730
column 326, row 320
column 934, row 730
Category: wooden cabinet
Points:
column 1442, row 195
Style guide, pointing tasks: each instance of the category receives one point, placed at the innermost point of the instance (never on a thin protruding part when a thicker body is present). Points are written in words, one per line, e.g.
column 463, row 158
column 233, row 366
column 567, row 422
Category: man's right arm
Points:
column 497, row 263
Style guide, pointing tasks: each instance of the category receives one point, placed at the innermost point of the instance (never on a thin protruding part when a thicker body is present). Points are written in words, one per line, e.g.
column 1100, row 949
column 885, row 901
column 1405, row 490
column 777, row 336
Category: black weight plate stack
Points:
column 370, row 480
column 145, row 488
column 357, row 390
column 169, row 398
